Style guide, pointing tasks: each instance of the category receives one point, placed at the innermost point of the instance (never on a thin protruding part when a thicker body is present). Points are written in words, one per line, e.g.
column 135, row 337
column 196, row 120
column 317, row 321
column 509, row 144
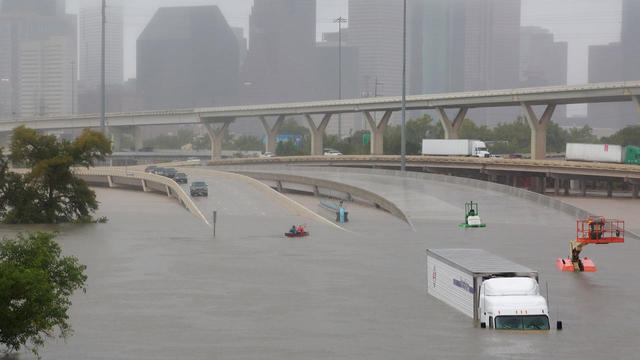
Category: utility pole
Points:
column 340, row 21
column 102, row 70
column 73, row 90
column 404, row 88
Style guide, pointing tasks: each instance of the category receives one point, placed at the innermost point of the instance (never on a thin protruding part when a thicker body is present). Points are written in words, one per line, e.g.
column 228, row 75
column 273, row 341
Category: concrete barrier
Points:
column 137, row 180
column 352, row 191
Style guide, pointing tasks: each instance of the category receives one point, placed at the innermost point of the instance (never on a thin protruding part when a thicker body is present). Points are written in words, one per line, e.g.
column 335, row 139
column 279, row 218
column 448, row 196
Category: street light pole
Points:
column 340, row 21
column 102, row 70
column 404, row 89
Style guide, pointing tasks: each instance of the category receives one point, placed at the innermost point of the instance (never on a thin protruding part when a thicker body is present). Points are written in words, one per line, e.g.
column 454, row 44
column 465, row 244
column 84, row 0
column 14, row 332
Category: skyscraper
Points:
column 543, row 61
column 90, row 27
column 279, row 64
column 187, row 57
column 617, row 62
column 39, row 48
column 375, row 29
column 492, row 43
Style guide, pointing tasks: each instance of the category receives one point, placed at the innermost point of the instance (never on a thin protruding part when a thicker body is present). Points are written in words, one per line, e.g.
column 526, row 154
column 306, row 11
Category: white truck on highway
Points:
column 455, row 147
column 603, row 153
column 494, row 291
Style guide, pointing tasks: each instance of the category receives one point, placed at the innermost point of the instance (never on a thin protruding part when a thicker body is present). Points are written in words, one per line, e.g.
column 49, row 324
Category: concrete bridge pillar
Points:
column 377, row 132
column 216, row 135
column 636, row 102
column 451, row 129
column 137, row 138
column 115, row 135
column 317, row 132
column 538, row 129
column 272, row 132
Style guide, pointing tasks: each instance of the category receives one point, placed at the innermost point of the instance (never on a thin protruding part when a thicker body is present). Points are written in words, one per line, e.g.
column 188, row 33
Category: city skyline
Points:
column 570, row 20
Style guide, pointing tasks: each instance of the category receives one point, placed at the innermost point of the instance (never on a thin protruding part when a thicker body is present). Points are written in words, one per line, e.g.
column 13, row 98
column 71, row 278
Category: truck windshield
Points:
column 481, row 149
column 524, row 322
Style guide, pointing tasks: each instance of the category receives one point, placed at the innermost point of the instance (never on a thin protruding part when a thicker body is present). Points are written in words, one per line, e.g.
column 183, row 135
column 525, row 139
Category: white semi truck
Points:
column 494, row 291
column 603, row 153
column 455, row 147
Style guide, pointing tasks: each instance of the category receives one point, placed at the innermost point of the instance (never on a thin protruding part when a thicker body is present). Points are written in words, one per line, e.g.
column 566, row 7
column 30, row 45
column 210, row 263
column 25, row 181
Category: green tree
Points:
column 582, row 135
column 288, row 148
column 512, row 138
column 556, row 138
column 245, row 143
column 416, row 130
column 36, row 283
column 630, row 135
column 50, row 193
column 469, row 130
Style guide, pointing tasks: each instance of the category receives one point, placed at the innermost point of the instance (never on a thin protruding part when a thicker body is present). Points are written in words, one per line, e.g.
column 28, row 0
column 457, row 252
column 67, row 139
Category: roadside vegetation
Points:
column 36, row 283
column 48, row 192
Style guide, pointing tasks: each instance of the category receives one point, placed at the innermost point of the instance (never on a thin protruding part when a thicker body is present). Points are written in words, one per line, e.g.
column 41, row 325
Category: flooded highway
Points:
column 161, row 287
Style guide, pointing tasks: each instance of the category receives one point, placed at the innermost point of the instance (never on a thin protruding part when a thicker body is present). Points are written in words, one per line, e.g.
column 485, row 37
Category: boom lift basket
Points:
column 595, row 230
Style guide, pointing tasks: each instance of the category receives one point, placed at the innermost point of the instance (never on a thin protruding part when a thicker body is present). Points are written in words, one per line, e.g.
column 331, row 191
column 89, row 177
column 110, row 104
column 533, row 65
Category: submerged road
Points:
column 160, row 287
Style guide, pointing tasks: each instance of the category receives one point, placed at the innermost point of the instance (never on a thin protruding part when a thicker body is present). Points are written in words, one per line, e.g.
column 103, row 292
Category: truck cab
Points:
column 512, row 303
column 480, row 149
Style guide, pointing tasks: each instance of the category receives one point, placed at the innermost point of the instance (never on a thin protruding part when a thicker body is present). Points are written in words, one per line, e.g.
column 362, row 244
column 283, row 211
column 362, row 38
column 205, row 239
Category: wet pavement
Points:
column 160, row 287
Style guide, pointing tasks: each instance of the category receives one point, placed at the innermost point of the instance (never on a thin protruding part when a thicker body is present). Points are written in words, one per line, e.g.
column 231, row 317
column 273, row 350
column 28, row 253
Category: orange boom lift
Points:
column 595, row 230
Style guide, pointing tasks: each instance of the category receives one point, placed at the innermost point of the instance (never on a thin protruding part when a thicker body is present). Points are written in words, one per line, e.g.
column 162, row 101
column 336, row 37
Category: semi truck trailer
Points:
column 493, row 291
column 603, row 153
column 455, row 147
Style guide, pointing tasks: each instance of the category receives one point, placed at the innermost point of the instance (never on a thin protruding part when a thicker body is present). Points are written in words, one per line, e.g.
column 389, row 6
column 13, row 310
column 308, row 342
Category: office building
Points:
column 187, row 57
column 279, row 64
column 90, row 28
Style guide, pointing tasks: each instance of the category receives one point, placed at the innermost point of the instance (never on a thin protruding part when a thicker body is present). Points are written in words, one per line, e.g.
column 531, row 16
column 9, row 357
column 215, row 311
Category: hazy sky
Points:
column 580, row 22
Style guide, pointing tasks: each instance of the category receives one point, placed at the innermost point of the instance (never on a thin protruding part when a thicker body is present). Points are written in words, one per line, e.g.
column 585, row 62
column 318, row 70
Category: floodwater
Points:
column 161, row 287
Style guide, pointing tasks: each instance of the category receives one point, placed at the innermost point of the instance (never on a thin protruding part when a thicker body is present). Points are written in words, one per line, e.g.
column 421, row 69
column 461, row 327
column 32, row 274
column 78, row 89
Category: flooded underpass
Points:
column 161, row 287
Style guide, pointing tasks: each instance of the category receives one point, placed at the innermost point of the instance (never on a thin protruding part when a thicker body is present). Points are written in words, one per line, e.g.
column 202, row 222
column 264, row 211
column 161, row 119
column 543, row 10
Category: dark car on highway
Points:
column 180, row 178
column 170, row 172
column 199, row 188
column 150, row 169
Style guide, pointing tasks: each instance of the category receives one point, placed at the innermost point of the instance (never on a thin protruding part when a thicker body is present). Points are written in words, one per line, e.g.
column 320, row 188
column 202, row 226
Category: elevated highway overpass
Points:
column 535, row 174
column 217, row 119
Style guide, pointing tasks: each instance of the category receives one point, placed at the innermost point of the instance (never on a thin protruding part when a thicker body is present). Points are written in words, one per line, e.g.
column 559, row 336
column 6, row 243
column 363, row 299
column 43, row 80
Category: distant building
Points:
column 326, row 79
column 90, row 25
column 543, row 62
column 375, row 29
column 618, row 61
column 39, row 49
column 242, row 44
column 279, row 64
column 465, row 45
column 187, row 57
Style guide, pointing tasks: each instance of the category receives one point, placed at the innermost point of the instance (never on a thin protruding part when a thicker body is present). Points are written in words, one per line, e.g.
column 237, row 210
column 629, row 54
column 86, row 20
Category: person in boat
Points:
column 472, row 212
column 300, row 229
column 293, row 229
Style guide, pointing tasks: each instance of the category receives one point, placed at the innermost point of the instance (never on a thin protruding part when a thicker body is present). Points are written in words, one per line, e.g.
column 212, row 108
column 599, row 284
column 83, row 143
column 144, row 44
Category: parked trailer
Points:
column 455, row 147
column 493, row 291
column 603, row 153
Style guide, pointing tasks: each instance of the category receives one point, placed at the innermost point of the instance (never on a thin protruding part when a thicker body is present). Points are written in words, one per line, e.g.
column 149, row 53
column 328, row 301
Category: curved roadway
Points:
column 161, row 288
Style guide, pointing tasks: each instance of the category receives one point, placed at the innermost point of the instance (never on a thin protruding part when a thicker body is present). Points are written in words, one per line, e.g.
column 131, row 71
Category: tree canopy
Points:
column 49, row 192
column 36, row 283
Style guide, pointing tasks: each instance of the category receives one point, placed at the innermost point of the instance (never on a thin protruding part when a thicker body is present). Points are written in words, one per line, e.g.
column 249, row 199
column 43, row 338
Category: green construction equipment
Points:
column 472, row 216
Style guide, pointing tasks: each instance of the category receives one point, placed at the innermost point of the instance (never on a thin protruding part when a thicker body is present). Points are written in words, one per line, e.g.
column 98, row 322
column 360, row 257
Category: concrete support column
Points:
column 566, row 185
column 216, row 135
column 556, row 186
column 137, row 138
column 609, row 188
column 451, row 129
column 271, row 132
column 538, row 129
column 583, row 187
column 636, row 102
column 377, row 132
column 115, row 136
column 317, row 132
column 634, row 191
